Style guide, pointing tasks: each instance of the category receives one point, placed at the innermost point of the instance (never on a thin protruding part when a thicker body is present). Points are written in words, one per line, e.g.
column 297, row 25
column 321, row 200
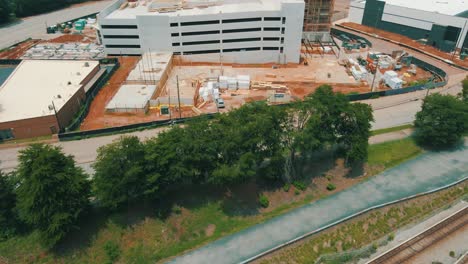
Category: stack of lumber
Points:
column 267, row 86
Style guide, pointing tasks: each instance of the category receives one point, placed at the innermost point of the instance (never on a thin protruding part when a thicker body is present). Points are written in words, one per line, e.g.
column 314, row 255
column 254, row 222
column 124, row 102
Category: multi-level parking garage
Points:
column 249, row 31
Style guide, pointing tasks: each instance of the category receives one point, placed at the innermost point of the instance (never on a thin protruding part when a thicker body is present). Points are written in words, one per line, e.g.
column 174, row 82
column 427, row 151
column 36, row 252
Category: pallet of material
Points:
column 267, row 85
column 123, row 6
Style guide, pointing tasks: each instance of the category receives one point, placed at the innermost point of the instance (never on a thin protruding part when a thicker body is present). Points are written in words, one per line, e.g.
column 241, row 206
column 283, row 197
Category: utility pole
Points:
column 169, row 96
column 375, row 74
column 178, row 96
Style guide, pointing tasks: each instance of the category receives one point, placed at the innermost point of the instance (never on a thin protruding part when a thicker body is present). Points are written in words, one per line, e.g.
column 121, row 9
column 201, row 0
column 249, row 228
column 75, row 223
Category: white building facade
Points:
column 229, row 31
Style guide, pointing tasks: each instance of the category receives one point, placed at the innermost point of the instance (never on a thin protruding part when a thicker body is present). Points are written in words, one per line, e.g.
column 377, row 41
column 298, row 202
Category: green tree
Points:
column 354, row 132
column 249, row 143
column 464, row 93
column 33, row 7
column 441, row 122
column 7, row 8
column 120, row 172
column 52, row 192
column 8, row 217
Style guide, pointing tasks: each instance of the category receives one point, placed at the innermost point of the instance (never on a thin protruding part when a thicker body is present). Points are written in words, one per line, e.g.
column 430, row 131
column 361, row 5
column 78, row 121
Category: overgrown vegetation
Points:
column 366, row 229
column 263, row 200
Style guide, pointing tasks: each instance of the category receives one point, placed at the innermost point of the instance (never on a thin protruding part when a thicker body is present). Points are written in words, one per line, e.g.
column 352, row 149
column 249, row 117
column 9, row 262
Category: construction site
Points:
column 162, row 85
column 318, row 15
column 462, row 61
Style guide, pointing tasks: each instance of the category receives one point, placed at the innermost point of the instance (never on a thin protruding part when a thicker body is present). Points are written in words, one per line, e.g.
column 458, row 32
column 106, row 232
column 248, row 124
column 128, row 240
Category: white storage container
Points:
column 395, row 83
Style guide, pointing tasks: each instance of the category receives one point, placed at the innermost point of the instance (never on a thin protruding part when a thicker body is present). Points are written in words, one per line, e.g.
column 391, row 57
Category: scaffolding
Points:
column 318, row 15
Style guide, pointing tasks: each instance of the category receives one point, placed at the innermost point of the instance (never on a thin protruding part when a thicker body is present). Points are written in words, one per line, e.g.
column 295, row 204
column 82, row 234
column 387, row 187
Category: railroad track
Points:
column 421, row 241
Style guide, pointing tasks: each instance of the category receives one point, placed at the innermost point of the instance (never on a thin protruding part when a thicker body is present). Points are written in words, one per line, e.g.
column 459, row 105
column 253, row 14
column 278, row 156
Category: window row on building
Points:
column 228, row 50
column 228, row 21
column 188, row 43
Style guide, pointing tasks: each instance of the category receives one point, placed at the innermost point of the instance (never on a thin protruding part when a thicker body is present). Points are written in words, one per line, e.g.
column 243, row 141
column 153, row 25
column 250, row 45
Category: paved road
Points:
column 35, row 27
column 427, row 172
column 402, row 112
column 401, row 109
column 84, row 151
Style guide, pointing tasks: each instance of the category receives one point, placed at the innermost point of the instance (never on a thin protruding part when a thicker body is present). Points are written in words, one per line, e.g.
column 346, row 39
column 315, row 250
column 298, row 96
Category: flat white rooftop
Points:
column 31, row 88
column 196, row 7
column 151, row 67
column 131, row 96
column 446, row 7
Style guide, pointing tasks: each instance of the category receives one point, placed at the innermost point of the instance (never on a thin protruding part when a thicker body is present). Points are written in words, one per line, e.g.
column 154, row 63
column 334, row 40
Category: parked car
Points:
column 220, row 103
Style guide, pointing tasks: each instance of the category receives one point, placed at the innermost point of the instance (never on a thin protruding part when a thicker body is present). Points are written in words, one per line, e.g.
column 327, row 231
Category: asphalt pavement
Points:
column 35, row 26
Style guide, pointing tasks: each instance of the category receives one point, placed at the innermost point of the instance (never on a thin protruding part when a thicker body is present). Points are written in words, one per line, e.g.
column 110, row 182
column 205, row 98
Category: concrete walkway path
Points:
column 425, row 173
column 391, row 136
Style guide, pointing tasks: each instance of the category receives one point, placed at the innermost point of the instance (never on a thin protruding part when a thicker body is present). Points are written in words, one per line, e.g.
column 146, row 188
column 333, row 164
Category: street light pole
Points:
column 178, row 97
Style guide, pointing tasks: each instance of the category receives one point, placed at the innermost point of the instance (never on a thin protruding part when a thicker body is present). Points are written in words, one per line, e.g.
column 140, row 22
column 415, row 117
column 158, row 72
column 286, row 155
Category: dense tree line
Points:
column 256, row 141
column 49, row 193
column 22, row 8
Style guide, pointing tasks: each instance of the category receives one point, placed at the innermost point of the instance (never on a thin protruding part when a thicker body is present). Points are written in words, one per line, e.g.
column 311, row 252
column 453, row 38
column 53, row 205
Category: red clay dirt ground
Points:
column 407, row 41
column 19, row 50
column 97, row 118
column 70, row 38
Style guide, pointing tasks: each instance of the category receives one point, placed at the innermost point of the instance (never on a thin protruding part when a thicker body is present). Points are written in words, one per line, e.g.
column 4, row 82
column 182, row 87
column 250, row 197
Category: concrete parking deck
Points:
column 425, row 173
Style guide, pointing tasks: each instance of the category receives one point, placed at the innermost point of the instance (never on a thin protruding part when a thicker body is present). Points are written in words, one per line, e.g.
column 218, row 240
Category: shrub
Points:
column 177, row 209
column 286, row 187
column 297, row 192
column 331, row 187
column 112, row 251
column 391, row 237
column 264, row 202
column 452, row 254
column 329, row 177
column 299, row 185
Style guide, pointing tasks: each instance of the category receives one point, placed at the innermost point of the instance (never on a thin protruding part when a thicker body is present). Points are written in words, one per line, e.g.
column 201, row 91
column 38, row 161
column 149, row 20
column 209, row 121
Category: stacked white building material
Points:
column 243, row 82
column 210, row 90
column 359, row 72
column 388, row 75
column 391, row 79
column 234, row 83
column 395, row 83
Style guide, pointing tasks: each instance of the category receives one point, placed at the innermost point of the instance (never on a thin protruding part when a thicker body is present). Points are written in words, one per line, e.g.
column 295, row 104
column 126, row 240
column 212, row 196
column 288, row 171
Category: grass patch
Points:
column 390, row 154
column 193, row 220
column 26, row 140
column 391, row 129
column 365, row 229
